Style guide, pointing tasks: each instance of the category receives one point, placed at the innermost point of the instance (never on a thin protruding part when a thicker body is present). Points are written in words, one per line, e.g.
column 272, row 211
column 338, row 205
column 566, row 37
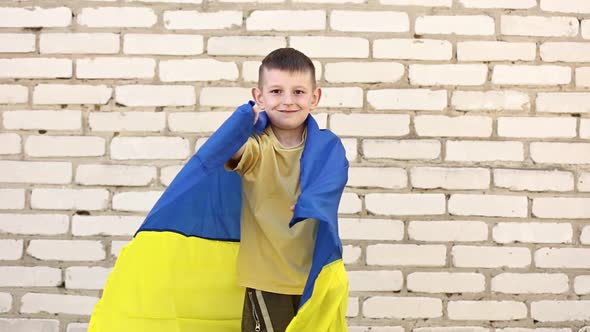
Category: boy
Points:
column 274, row 260
column 224, row 253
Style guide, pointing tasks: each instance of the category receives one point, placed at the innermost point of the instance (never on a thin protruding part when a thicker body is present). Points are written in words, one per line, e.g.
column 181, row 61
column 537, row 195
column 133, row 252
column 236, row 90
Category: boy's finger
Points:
column 292, row 207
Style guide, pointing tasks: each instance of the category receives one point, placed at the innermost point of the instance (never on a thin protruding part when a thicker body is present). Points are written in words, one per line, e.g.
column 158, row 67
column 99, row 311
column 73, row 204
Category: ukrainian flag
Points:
column 178, row 274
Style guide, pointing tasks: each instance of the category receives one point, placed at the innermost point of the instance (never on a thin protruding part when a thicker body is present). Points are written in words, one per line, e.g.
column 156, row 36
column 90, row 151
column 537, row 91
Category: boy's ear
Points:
column 317, row 95
column 257, row 96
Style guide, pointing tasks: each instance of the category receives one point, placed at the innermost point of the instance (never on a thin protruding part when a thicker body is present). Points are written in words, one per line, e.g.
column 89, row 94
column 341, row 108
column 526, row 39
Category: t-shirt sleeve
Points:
column 249, row 159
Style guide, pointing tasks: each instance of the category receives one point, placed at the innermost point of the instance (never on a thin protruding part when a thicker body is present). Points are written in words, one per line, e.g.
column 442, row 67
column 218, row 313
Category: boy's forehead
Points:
column 284, row 77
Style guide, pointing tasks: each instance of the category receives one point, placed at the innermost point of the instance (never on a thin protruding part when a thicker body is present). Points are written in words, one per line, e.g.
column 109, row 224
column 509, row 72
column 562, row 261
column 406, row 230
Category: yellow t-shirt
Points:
column 272, row 256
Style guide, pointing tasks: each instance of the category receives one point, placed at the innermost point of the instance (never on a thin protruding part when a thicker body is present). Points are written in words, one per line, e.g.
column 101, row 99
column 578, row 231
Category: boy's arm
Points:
column 235, row 159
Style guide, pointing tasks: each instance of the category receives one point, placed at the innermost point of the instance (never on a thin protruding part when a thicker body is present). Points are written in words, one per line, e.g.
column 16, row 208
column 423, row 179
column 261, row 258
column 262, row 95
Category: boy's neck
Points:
column 289, row 137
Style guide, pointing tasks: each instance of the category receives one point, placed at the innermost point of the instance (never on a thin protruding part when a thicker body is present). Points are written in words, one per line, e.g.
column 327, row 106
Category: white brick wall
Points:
column 466, row 124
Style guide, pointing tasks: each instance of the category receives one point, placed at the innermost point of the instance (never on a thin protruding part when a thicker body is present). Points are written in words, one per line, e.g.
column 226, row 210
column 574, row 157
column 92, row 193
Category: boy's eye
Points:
column 275, row 91
column 299, row 92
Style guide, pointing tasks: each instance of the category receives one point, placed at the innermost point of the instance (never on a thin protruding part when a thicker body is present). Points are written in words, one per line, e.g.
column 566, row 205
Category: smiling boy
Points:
column 274, row 260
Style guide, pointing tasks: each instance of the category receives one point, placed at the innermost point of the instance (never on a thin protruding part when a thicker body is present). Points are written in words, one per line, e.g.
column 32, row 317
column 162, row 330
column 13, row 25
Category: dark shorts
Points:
column 268, row 312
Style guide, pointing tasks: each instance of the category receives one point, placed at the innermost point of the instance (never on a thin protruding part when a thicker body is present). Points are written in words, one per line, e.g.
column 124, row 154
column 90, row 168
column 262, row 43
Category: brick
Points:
column 364, row 72
column 585, row 236
column 469, row 25
column 86, row 277
column 115, row 68
column 34, row 224
column 404, row 149
column 66, row 250
column 533, row 180
column 495, row 51
column 582, row 285
column 244, row 45
column 17, row 42
column 490, row 100
column 539, row 26
column 566, row 6
column 486, row 310
column 448, row 74
column 585, row 29
column 559, row 311
column 331, row 47
column 484, row 151
column 408, row 99
column 46, row 120
column 560, row 153
column 412, row 49
column 22, row 276
column 11, row 249
column 405, row 204
column 115, row 175
column 369, row 21
column 57, row 304
column 70, row 146
column 453, row 126
column 448, row 231
column 155, row 95
column 370, row 125
column 35, row 17
column 450, row 178
column 370, row 229
column 533, row 232
column 350, row 203
column 168, row 173
column 565, row 52
column 352, row 309
column 105, row 225
column 582, row 77
column 531, row 75
column 536, row 127
column 452, row 329
column 424, row 3
column 117, row 17
column 250, row 70
column 35, row 172
column 117, row 246
column 351, row 254
column 196, row 122
column 194, row 20
column 224, row 96
column 402, row 307
column 406, row 255
column 127, row 148
column 379, row 177
column 561, row 207
column 13, row 94
column 135, row 201
column 5, row 302
column 584, row 181
column 530, row 283
column 507, row 4
column 375, row 280
column 35, row 68
column 375, row 328
column 342, row 97
column 350, row 145
column 10, row 143
column 25, row 325
column 569, row 258
column 77, row 327
column 78, row 43
column 286, row 20
column 69, row 199
column 446, row 282
column 163, row 44
column 12, row 199
column 563, row 102
column 490, row 257
column 71, row 94
column 126, row 121
column 197, row 70
column 488, row 205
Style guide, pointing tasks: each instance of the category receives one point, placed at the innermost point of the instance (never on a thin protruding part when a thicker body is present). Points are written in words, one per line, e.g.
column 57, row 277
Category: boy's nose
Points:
column 287, row 99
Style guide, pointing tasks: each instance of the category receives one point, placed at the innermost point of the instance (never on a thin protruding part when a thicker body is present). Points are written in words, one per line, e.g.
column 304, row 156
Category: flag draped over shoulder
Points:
column 178, row 274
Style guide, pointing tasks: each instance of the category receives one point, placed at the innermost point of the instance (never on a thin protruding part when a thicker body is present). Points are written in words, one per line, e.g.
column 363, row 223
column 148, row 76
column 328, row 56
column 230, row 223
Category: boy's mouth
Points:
column 288, row 111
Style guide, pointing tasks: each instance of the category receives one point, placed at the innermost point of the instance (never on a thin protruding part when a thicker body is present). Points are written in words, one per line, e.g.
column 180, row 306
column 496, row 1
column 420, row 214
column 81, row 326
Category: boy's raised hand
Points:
column 257, row 109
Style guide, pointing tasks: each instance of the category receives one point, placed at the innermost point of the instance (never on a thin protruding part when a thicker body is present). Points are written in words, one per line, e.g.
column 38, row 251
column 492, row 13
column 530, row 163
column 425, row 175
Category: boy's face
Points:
column 287, row 97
